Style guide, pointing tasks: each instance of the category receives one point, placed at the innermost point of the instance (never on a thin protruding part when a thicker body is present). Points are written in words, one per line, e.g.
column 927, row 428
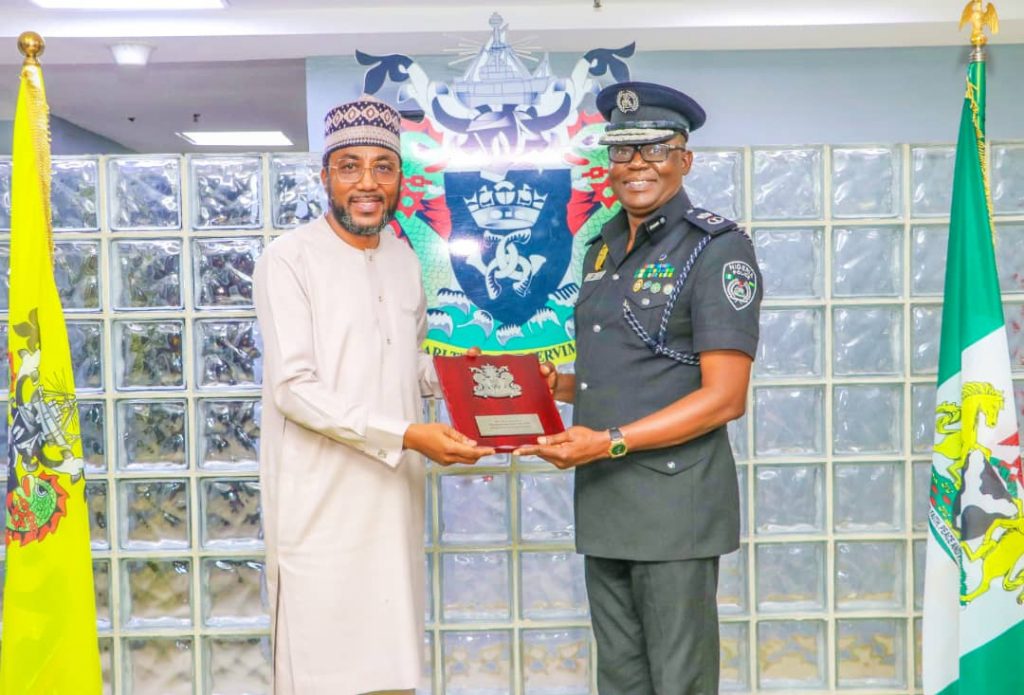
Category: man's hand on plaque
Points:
column 574, row 447
column 550, row 374
column 443, row 444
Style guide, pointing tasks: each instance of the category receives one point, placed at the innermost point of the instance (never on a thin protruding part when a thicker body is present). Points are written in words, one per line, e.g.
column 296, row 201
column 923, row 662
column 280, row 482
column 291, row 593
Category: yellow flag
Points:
column 49, row 644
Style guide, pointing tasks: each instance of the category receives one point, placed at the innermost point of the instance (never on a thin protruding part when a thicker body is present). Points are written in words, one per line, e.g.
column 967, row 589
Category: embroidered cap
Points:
column 365, row 121
column 639, row 113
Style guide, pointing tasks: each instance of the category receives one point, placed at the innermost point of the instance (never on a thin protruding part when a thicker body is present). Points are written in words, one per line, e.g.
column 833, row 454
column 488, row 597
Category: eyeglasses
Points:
column 351, row 172
column 656, row 152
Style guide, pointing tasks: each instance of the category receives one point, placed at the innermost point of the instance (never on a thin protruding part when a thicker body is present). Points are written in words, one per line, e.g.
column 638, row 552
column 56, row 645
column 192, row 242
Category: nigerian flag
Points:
column 49, row 615
column 974, row 578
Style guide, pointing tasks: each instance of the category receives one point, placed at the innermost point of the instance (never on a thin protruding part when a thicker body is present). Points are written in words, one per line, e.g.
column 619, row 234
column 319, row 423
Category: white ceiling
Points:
column 242, row 67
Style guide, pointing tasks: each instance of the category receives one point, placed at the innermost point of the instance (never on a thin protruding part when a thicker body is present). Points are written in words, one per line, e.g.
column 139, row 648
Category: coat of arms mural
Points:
column 504, row 186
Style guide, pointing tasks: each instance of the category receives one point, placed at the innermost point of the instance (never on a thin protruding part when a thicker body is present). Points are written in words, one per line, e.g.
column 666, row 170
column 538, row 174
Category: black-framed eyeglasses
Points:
column 382, row 172
column 652, row 152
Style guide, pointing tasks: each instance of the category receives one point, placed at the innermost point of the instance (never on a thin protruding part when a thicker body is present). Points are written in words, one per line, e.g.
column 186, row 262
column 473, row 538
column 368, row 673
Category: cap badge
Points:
column 627, row 101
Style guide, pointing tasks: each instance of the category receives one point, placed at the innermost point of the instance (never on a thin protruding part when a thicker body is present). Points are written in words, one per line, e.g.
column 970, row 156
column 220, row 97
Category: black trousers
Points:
column 656, row 626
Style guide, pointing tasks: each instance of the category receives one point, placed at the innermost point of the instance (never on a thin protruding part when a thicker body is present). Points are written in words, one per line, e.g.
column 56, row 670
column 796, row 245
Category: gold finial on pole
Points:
column 979, row 16
column 31, row 46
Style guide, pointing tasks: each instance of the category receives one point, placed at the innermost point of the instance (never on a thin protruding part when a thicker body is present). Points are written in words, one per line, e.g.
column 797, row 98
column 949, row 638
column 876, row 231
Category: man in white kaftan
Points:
column 342, row 316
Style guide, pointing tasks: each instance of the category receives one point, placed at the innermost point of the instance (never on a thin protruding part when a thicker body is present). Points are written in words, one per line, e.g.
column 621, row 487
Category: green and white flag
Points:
column 974, row 578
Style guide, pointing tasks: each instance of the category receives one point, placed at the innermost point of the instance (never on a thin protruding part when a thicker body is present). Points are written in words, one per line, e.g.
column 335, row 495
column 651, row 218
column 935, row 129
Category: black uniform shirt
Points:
column 682, row 501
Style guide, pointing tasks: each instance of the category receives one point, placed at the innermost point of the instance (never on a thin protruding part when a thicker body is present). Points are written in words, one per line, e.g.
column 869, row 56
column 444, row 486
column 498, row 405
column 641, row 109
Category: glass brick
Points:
column 920, row 552
column 428, row 588
column 1014, row 314
column 5, row 374
column 789, row 499
column 231, row 513
column 96, row 498
column 787, row 184
column 922, row 414
column 222, row 271
column 791, row 261
column 226, row 192
column 928, row 259
column 931, row 180
column 297, row 194
column 732, row 582
column 229, row 434
column 870, row 575
column 477, row 663
column 237, row 665
column 866, row 182
column 556, row 662
column 867, row 497
column 144, row 193
column 867, row 340
column 715, row 182
column 76, row 267
column 1010, row 257
column 741, row 483
column 871, row 653
column 917, row 652
column 428, row 513
column 926, row 331
column 157, row 593
column 734, row 657
column 737, row 430
column 148, row 355
column 91, row 423
column 790, row 577
column 146, row 274
column 151, row 435
column 155, row 514
column 233, row 593
column 1007, row 179
column 101, row 586
column 73, row 198
column 475, row 587
column 552, row 586
column 474, row 509
column 922, row 483
column 545, row 507
column 5, row 194
column 867, row 261
column 158, row 666
column 107, row 664
column 427, row 675
column 789, row 420
column 85, row 338
column 867, row 419
column 791, row 655
column 791, row 343
column 5, row 276
column 229, row 353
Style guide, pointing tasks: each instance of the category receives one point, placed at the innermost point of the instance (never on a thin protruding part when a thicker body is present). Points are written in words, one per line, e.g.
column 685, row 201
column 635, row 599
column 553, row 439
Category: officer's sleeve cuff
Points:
column 724, row 339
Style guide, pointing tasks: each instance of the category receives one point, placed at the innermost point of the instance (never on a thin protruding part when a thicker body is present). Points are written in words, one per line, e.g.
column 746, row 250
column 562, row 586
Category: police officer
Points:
column 667, row 327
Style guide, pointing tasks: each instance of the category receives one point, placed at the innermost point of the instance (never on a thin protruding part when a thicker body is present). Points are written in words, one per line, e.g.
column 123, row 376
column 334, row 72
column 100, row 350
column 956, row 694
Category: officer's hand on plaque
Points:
column 550, row 374
column 574, row 447
column 443, row 444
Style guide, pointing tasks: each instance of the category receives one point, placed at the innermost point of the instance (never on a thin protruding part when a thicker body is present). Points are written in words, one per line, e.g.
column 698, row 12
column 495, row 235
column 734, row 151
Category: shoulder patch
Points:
column 739, row 282
column 709, row 222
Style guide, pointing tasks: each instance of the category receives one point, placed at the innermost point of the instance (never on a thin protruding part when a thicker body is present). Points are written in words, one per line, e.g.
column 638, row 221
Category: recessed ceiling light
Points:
column 133, row 5
column 236, row 138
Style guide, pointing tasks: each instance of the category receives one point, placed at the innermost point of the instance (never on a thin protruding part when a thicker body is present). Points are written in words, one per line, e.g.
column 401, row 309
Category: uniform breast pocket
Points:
column 646, row 310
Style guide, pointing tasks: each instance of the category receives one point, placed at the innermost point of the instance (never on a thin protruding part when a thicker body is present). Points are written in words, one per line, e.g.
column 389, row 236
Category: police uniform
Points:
column 653, row 523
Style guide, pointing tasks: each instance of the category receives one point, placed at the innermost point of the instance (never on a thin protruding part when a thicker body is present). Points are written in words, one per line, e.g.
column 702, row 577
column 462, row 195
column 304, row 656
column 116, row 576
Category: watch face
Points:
column 617, row 449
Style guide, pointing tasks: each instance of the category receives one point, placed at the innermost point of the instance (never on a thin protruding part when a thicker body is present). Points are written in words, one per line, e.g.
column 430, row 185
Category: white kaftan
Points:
column 342, row 502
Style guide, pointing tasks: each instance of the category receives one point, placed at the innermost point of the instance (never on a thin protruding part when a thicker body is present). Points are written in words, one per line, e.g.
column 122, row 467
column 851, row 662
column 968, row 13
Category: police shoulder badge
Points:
column 740, row 284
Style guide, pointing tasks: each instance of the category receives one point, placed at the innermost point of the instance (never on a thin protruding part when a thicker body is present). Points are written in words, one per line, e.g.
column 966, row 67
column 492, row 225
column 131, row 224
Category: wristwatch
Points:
column 617, row 448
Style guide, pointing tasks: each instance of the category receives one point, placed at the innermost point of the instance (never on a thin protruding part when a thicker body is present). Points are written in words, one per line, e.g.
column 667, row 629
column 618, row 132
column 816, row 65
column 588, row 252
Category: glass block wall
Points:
column 154, row 256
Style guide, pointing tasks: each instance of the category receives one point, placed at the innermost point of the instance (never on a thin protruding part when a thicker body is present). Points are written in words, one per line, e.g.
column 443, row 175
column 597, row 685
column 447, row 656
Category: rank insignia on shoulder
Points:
column 709, row 221
column 602, row 256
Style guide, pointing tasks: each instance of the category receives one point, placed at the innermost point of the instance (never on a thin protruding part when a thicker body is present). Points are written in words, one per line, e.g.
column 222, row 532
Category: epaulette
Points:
column 709, row 222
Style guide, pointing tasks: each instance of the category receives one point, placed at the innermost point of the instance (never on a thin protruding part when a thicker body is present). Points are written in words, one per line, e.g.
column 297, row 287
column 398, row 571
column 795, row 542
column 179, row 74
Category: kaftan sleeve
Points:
column 290, row 373
column 430, row 387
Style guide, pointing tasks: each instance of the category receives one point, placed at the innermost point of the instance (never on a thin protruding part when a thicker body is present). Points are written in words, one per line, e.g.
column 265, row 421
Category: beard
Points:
column 341, row 215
